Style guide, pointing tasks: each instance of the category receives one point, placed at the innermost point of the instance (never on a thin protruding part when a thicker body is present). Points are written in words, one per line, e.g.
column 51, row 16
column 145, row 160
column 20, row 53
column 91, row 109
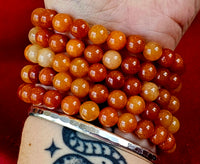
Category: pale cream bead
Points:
column 32, row 53
column 32, row 33
column 45, row 57
column 150, row 91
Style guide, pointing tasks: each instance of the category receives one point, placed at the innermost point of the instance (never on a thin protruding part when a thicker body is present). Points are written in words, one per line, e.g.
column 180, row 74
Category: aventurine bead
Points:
column 79, row 28
column 37, row 94
column 174, row 81
column 79, row 67
column 115, row 80
column 168, row 143
column 164, row 118
column 75, row 47
column 62, row 81
column 33, row 73
column 127, row 122
column 151, row 111
column 116, row 40
column 70, row 105
column 62, row 22
column 31, row 53
column 108, row 117
column 152, row 51
column 52, row 99
column 163, row 97
column 175, row 125
column 89, row 111
column 135, row 105
column 93, row 53
column 150, row 91
column 135, row 44
column 46, row 76
column 144, row 129
column 167, row 58
column 80, row 87
column 130, row 65
column 97, row 72
column 57, row 42
column 98, row 34
column 174, row 104
column 42, row 37
column 45, row 57
column 61, row 62
column 162, row 77
column 32, row 33
column 147, row 71
column 25, row 93
column 24, row 73
column 178, row 64
column 112, row 59
column 132, row 86
column 98, row 93
column 117, row 99
column 160, row 135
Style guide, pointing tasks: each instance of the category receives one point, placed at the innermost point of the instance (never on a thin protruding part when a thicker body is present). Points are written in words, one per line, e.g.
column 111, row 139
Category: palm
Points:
column 161, row 21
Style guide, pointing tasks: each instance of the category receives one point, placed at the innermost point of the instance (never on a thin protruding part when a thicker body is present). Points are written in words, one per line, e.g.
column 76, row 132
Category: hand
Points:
column 161, row 21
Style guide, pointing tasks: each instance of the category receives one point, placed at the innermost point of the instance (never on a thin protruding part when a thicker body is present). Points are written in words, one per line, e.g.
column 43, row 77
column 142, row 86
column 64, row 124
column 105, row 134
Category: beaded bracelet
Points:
column 102, row 77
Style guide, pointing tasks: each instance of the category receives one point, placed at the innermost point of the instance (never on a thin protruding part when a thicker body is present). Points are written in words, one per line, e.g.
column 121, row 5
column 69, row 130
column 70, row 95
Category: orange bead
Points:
column 57, row 42
column 108, row 117
column 178, row 64
column 70, row 105
column 164, row 118
column 80, row 87
column 145, row 129
column 79, row 28
column 117, row 99
column 152, row 51
column 89, row 111
column 75, row 47
column 33, row 73
column 151, row 111
column 25, row 73
column 116, row 40
column 42, row 37
column 175, row 125
column 147, row 71
column 32, row 33
column 46, row 76
column 169, row 143
column 159, row 136
column 52, row 99
column 61, row 62
column 135, row 44
column 171, row 150
column 135, row 105
column 36, row 96
column 25, row 93
column 163, row 97
column 127, row 122
column 150, row 91
column 62, row 22
column 93, row 53
column 98, row 34
column 97, row 72
column 174, row 104
column 79, row 67
column 62, row 81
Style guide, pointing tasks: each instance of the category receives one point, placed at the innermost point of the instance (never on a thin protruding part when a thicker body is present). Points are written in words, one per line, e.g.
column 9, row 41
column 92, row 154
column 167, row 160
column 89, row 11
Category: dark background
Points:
column 14, row 27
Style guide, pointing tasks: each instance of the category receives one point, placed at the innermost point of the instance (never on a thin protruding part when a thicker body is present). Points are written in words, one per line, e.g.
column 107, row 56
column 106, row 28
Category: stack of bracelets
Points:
column 102, row 77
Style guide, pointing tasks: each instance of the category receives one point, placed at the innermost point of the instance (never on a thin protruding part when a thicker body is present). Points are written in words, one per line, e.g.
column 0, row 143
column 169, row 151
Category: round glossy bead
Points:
column 31, row 53
column 164, row 118
column 98, row 34
column 79, row 67
column 61, row 62
column 115, row 80
column 135, row 44
column 25, row 52
column 24, row 73
column 147, row 71
column 145, row 129
column 80, row 87
column 52, row 99
column 174, row 104
column 175, row 125
column 75, row 47
column 70, row 105
column 25, row 93
column 150, row 91
column 163, row 97
column 42, row 37
column 79, row 28
column 19, row 89
column 171, row 150
column 159, row 136
column 132, row 86
column 97, row 72
column 112, row 59
column 62, row 22
column 62, row 81
column 32, row 33
column 89, row 111
column 178, row 64
column 46, row 76
column 168, row 143
column 174, row 81
column 151, row 111
column 152, row 51
column 33, row 73
column 98, row 93
column 57, row 42
column 116, row 40
column 162, row 77
column 108, row 117
column 37, row 94
column 130, row 65
column 117, row 99
column 45, row 57
column 127, row 122
column 135, row 105
column 93, row 53
column 167, row 58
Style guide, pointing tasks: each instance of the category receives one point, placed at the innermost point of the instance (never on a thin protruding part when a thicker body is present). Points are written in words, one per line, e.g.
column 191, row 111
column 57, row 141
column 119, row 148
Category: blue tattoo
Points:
column 52, row 148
